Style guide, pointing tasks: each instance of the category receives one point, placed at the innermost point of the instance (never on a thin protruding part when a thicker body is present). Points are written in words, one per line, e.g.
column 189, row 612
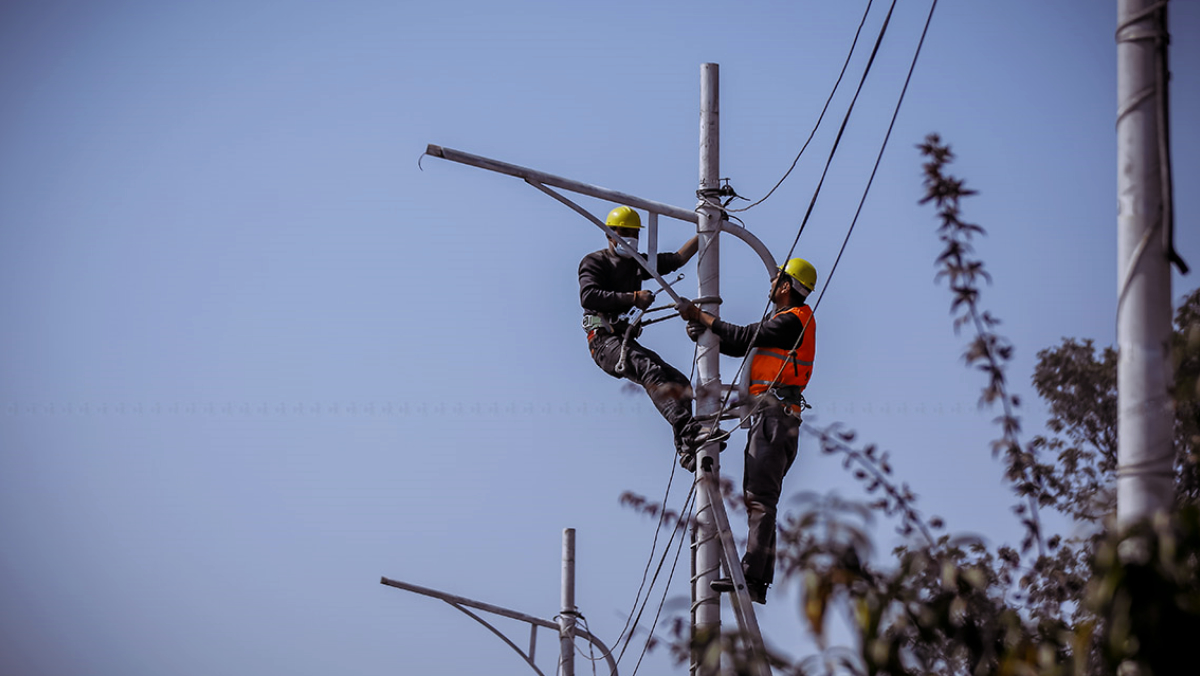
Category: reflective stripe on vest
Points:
column 774, row 367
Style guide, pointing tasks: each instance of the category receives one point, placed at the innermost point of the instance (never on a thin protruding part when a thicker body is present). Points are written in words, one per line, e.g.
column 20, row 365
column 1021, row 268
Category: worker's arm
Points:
column 594, row 291
column 671, row 261
column 780, row 331
column 698, row 321
column 688, row 249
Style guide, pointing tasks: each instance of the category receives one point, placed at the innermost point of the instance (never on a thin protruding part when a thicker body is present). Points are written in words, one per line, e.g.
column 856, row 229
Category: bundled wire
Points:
column 679, row 528
column 650, row 560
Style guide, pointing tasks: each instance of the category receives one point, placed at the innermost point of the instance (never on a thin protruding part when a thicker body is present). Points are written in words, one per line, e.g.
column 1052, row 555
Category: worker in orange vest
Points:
column 784, row 347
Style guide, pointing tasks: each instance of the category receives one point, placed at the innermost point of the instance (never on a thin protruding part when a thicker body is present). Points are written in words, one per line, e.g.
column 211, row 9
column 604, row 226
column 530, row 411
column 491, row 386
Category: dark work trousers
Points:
column 669, row 389
column 770, row 452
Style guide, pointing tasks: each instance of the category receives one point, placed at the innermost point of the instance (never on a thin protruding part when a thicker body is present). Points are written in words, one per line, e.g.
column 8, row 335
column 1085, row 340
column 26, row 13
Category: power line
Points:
column 816, row 192
column 879, row 157
column 842, row 129
column 866, row 190
column 820, row 117
column 661, row 603
column 680, row 526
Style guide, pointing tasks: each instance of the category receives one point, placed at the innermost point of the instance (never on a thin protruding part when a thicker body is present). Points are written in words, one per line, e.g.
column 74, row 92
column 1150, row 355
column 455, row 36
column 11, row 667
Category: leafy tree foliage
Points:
column 1094, row 604
column 1079, row 384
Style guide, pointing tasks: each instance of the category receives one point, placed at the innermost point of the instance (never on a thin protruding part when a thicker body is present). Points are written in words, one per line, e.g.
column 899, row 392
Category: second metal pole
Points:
column 566, row 618
column 706, row 604
column 1145, row 418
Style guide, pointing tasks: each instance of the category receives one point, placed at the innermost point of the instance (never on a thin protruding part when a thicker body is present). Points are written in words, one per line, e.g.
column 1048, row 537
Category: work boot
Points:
column 757, row 590
column 687, row 460
column 721, row 585
column 684, row 435
column 701, row 434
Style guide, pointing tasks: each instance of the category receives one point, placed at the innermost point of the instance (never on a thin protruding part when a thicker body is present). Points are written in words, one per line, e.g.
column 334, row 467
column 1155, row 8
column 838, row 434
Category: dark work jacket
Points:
column 779, row 331
column 607, row 281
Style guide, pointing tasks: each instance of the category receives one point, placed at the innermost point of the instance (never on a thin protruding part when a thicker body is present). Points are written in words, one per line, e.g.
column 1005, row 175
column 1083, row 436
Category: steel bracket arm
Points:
column 540, row 179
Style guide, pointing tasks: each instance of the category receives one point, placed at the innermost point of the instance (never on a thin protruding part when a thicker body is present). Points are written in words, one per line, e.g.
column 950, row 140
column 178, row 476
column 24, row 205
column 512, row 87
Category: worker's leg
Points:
column 669, row 390
column 770, row 452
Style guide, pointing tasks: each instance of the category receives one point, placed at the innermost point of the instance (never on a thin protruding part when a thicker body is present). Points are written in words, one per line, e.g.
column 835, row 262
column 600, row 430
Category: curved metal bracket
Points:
column 462, row 603
column 532, row 637
column 755, row 243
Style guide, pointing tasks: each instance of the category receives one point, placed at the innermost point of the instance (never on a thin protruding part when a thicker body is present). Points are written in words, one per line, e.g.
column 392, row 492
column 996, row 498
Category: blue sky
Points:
column 255, row 358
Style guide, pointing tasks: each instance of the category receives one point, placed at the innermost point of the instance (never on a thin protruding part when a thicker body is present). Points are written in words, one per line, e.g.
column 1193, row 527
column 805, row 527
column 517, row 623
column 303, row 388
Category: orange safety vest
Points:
column 773, row 367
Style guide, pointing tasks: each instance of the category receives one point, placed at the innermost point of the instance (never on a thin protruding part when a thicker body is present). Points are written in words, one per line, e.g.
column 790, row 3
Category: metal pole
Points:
column 1145, row 453
column 652, row 241
column 706, row 604
column 566, row 618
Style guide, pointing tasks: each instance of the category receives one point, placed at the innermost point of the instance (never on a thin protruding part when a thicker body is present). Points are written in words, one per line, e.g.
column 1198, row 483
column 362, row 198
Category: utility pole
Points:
column 566, row 618
column 712, row 543
column 706, row 552
column 1145, row 410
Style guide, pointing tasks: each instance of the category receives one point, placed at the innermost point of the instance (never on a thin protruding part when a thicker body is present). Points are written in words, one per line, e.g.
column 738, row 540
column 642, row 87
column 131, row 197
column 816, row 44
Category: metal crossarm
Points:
column 540, row 180
column 740, row 598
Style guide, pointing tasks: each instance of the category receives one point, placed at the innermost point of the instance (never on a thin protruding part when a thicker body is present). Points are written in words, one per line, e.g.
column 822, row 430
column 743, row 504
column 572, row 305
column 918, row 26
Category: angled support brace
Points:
column 612, row 235
column 742, row 608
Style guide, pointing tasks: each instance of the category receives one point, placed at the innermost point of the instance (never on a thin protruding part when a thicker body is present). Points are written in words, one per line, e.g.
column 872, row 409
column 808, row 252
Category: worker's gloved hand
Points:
column 695, row 330
column 642, row 299
column 687, row 310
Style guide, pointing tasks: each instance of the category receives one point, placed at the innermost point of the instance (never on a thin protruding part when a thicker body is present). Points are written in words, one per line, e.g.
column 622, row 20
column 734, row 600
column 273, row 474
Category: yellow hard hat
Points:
column 623, row 217
column 802, row 271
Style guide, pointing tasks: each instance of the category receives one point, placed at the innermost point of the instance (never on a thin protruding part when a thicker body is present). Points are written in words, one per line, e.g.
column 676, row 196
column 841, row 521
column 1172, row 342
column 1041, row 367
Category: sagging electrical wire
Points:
column 591, row 656
column 654, row 544
column 820, row 117
column 650, row 560
column 917, row 52
column 879, row 157
column 862, row 200
column 662, row 602
column 812, row 203
column 679, row 527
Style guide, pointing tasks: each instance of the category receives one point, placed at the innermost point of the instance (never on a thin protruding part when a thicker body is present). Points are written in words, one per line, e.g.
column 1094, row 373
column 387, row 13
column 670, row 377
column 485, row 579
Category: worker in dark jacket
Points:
column 784, row 346
column 610, row 284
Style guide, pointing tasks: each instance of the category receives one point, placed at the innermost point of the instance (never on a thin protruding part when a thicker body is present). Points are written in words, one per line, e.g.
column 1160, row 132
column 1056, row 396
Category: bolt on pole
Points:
column 1145, row 417
column 706, row 556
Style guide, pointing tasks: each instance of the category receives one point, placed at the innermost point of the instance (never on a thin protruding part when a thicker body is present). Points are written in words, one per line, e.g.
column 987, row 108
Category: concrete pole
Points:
column 1145, row 455
column 706, row 604
column 566, row 618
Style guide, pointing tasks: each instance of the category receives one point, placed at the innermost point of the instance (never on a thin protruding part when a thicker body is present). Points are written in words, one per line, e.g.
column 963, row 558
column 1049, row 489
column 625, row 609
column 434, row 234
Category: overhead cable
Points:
column 833, row 150
column 820, row 117
column 878, row 157
column 816, row 192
